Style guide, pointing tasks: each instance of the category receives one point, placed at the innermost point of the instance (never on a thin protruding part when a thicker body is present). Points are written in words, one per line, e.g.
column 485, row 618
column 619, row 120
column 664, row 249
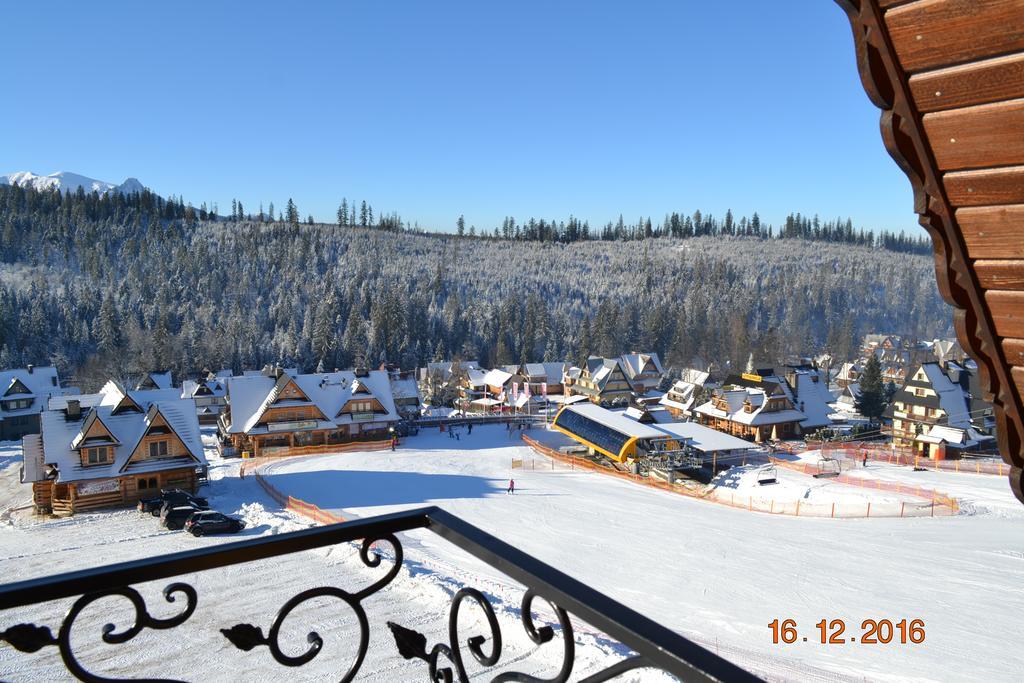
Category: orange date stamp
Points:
column 835, row 632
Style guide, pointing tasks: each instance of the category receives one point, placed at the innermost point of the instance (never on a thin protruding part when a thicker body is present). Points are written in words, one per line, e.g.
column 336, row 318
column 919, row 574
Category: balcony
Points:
column 380, row 550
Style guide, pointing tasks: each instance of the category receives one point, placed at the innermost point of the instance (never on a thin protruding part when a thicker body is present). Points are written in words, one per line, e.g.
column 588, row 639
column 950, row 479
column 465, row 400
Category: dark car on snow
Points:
column 173, row 496
column 174, row 516
column 212, row 522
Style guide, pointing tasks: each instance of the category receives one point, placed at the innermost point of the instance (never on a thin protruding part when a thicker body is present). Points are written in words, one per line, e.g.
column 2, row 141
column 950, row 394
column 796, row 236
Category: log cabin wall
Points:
column 948, row 76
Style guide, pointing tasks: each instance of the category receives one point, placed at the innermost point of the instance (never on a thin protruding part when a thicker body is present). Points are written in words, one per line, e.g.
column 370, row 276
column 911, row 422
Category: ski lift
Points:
column 767, row 475
column 827, row 467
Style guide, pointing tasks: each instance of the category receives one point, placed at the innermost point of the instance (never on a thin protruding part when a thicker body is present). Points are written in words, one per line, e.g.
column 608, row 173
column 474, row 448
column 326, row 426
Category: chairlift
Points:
column 827, row 467
column 767, row 475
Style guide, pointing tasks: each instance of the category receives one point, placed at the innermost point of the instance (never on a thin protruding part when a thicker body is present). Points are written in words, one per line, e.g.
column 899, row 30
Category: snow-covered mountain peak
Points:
column 66, row 181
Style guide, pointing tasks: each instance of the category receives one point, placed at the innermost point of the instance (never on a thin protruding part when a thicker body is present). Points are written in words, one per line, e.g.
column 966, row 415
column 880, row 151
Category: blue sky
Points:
column 436, row 109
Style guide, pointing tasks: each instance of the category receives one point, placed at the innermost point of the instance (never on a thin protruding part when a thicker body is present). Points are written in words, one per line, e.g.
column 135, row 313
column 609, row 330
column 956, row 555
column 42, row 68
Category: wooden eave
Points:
column 948, row 76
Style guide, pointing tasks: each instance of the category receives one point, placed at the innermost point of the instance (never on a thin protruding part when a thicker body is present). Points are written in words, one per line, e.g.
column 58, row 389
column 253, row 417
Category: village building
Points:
column 643, row 370
column 25, row 393
column 544, row 379
column 209, row 393
column 682, row 396
column 112, row 448
column 278, row 412
column 849, row 373
column 485, row 391
column 753, row 409
column 405, row 393
column 939, row 413
column 155, row 380
column 603, row 381
column 441, row 383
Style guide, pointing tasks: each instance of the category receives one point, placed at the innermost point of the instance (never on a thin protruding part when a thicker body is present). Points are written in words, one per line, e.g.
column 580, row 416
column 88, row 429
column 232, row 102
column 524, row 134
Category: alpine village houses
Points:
column 112, row 448
column 277, row 410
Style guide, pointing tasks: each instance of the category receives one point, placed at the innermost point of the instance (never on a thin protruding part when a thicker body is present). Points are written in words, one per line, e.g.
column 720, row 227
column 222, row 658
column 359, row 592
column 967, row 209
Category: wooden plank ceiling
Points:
column 948, row 76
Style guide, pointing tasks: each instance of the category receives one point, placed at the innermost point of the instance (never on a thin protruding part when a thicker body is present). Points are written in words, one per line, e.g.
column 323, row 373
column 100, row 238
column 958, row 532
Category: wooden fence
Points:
column 932, row 503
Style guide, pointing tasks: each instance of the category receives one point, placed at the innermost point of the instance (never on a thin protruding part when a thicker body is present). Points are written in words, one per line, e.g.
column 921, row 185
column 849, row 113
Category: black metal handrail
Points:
column 655, row 645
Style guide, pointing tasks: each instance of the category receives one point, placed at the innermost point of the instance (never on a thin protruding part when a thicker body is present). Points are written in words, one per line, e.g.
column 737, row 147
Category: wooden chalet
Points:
column 602, row 381
column 23, row 396
column 112, row 448
column 280, row 411
column 935, row 413
column 485, row 391
column 643, row 370
column 749, row 407
column 948, row 77
column 405, row 393
column 209, row 393
column 682, row 396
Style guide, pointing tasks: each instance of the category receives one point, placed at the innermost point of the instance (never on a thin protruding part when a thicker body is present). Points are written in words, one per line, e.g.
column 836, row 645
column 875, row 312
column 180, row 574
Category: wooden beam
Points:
column 985, row 187
column 977, row 137
column 965, row 85
column 993, row 232
column 1007, row 310
column 1001, row 274
column 936, row 33
column 1014, row 350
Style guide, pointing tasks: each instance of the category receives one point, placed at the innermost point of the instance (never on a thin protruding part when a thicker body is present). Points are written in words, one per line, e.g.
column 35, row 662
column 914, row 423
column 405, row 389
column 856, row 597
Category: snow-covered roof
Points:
column 617, row 421
column 811, row 396
column 704, row 438
column 404, row 388
column 33, row 468
column 736, row 398
column 155, row 380
column 19, row 383
column 694, row 376
column 249, row 396
column 952, row 397
column 127, row 429
column 637, row 363
column 496, row 377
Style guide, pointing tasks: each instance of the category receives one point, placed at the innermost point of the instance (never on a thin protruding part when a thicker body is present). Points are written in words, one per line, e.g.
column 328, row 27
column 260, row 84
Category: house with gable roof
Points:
column 23, row 396
column 209, row 393
column 112, row 448
column 281, row 410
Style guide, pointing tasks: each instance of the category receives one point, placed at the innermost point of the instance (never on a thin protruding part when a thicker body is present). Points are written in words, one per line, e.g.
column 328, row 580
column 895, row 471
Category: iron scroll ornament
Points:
column 412, row 644
column 31, row 638
column 247, row 636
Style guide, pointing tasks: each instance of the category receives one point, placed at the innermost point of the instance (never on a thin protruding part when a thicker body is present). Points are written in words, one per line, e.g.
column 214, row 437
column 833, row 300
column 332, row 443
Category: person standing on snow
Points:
column 511, row 487
column 864, row 460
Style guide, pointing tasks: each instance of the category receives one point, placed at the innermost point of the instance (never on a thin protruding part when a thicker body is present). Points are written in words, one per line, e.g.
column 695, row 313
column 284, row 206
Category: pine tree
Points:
column 292, row 213
column 460, row 226
column 871, row 402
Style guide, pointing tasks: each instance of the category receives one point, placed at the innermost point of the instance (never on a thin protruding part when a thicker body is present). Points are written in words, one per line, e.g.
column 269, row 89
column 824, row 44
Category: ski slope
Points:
column 716, row 574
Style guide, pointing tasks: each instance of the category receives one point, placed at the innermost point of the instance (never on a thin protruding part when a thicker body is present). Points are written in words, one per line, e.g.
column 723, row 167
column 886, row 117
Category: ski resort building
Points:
column 603, row 381
column 543, row 378
column 682, row 396
column 278, row 411
column 643, row 370
column 112, row 448
column 25, row 393
column 609, row 433
column 405, row 393
column 938, row 412
column 209, row 394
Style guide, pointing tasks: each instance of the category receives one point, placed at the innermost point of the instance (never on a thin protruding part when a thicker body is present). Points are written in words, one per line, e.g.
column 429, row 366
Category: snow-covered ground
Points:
column 716, row 574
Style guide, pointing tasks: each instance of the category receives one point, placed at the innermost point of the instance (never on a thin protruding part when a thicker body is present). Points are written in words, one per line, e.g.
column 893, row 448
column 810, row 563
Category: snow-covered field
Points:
column 716, row 574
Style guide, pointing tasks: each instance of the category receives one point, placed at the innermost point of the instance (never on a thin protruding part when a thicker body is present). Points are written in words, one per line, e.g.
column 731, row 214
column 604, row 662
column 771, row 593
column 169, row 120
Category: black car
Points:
column 173, row 496
column 174, row 516
column 212, row 522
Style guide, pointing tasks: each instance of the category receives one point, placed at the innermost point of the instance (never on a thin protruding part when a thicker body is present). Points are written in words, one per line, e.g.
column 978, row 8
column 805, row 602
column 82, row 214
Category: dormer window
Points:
column 98, row 455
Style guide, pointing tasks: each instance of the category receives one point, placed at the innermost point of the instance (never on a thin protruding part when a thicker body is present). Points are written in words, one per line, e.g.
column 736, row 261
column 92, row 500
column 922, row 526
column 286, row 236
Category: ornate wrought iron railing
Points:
column 654, row 646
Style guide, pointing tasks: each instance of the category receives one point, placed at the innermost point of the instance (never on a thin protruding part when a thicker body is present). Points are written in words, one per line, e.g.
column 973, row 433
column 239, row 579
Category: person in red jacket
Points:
column 511, row 486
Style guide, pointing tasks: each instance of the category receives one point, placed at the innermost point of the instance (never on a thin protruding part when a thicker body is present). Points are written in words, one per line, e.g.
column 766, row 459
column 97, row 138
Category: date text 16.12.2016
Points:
column 834, row 632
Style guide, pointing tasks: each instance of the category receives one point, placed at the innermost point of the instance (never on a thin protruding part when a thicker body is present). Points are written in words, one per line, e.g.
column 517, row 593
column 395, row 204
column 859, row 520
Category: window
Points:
column 157, row 449
column 143, row 484
column 96, row 456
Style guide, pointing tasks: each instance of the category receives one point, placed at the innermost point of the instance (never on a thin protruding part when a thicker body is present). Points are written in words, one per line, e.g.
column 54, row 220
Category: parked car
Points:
column 212, row 522
column 175, row 496
column 174, row 516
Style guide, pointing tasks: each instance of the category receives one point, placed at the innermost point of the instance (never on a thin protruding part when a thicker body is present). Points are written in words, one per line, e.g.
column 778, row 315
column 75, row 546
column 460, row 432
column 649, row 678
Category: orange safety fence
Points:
column 297, row 505
column 906, row 456
column 252, row 463
column 934, row 504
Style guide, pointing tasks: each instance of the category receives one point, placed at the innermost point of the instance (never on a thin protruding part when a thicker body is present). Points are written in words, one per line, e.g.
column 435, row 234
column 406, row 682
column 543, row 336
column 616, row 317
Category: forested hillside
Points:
column 120, row 284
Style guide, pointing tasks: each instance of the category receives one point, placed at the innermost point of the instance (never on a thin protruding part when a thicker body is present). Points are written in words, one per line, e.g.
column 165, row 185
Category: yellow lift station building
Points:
column 612, row 434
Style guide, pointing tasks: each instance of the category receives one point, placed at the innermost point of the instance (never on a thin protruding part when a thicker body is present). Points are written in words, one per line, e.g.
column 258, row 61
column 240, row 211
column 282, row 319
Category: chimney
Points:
column 74, row 409
column 30, row 368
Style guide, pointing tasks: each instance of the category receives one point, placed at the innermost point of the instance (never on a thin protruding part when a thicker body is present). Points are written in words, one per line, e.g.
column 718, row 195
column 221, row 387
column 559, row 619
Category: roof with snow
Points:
column 250, row 396
column 704, row 438
column 39, row 384
column 615, row 420
column 61, row 435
